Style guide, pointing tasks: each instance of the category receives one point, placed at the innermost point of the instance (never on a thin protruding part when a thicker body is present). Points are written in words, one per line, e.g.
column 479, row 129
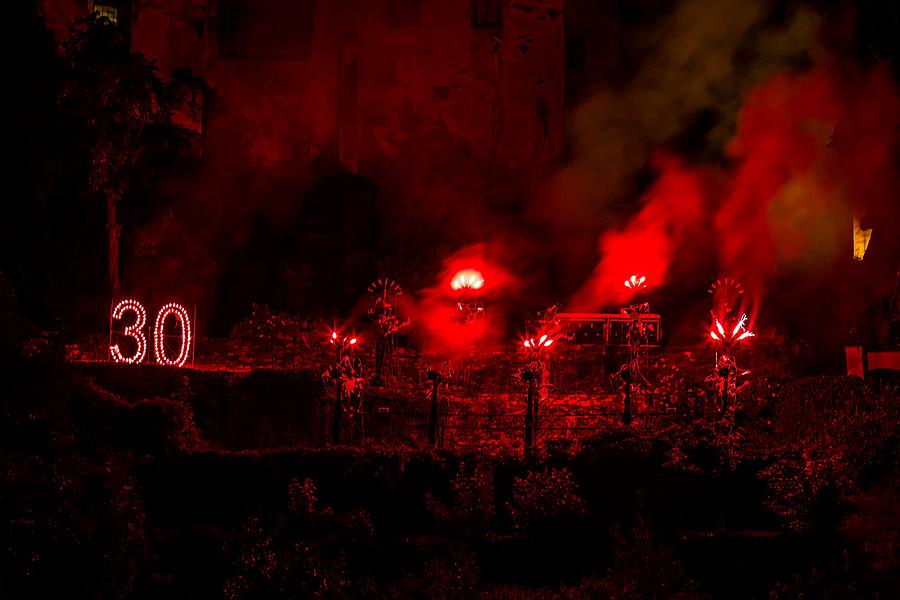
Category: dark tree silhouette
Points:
column 124, row 113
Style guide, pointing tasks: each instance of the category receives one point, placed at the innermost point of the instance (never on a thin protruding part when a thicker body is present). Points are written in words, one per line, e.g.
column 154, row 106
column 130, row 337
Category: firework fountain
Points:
column 727, row 337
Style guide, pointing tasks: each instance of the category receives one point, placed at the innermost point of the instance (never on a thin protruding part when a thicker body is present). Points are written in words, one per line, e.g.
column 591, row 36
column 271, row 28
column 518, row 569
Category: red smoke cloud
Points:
column 811, row 150
column 435, row 308
column 672, row 211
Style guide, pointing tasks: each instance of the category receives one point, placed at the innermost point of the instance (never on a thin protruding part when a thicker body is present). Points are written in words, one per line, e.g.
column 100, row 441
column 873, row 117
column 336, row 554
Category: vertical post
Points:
column 529, row 416
column 336, row 417
column 435, row 436
column 626, row 413
column 109, row 345
column 379, row 360
column 362, row 416
column 723, row 398
column 535, row 413
column 724, row 369
column 433, row 414
column 113, row 231
column 194, row 341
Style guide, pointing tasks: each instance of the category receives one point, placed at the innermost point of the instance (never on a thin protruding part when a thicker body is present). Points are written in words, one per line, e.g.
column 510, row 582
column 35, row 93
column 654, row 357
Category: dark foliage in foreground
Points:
column 109, row 497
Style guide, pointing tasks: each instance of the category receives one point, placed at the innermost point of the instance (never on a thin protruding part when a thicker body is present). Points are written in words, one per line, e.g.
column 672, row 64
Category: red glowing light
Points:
column 726, row 285
column 134, row 330
column 467, row 279
column 734, row 338
column 342, row 341
column 159, row 349
column 544, row 342
column 739, row 325
column 636, row 282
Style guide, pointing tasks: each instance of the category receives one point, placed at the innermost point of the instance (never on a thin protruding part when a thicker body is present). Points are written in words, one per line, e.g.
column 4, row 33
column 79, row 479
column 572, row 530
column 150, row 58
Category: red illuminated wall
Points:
column 388, row 85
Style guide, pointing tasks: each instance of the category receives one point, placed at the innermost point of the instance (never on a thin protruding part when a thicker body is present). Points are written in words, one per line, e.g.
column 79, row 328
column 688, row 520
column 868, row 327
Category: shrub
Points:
column 544, row 495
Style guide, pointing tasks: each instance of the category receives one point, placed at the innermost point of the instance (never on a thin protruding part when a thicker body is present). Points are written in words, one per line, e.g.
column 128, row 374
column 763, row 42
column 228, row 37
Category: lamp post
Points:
column 336, row 413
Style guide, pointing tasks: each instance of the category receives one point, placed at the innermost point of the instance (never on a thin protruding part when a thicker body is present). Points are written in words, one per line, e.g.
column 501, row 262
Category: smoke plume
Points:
column 802, row 142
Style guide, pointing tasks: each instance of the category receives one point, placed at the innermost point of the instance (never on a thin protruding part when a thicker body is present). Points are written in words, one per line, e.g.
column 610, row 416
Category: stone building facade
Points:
column 414, row 85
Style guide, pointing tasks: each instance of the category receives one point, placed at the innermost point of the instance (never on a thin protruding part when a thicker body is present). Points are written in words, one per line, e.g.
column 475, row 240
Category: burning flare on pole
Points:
column 351, row 341
column 468, row 279
column 738, row 333
column 544, row 341
column 636, row 282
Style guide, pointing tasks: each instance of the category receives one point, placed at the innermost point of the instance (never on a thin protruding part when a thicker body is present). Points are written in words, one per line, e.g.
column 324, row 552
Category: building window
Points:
column 265, row 29
column 108, row 12
column 487, row 14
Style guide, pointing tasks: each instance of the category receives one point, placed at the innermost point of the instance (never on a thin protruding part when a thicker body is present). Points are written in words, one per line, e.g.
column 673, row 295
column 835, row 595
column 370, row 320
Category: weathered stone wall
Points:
column 426, row 99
